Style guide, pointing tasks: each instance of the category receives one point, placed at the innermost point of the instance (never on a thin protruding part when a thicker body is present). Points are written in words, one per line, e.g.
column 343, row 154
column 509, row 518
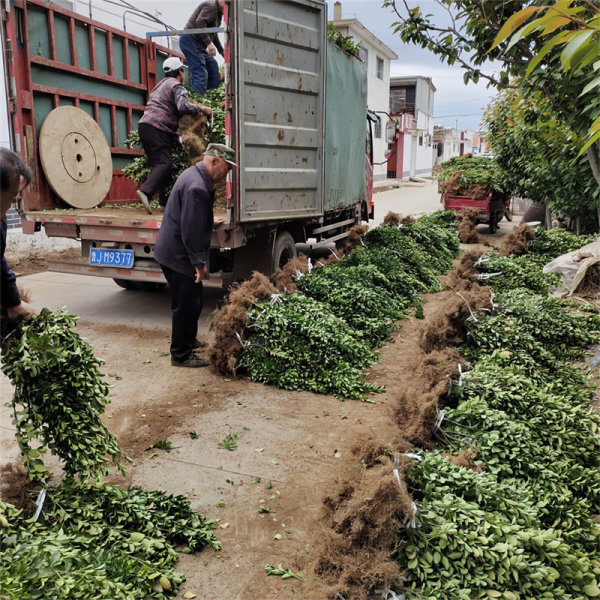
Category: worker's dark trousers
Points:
column 158, row 146
column 187, row 300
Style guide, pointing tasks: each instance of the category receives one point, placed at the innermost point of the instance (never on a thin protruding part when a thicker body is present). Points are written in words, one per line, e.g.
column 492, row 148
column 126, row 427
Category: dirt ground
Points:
column 294, row 449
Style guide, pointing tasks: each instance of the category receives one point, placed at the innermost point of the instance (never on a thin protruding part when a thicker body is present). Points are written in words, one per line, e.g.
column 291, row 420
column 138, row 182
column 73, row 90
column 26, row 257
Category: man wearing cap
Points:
column 183, row 247
column 200, row 49
column 158, row 128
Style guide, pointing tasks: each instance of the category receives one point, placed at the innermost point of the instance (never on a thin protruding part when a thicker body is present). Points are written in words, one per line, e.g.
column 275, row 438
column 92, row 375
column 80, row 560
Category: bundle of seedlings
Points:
column 505, row 273
column 516, row 524
column 99, row 541
column 481, row 538
column 231, row 322
column 518, row 240
column 59, row 398
column 92, row 540
column 297, row 343
column 360, row 295
column 349, row 306
column 400, row 258
column 551, row 243
column 475, row 176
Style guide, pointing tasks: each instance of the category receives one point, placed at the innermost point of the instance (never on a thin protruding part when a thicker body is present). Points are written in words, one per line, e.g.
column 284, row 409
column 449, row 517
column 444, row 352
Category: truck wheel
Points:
column 126, row 284
column 149, row 286
column 283, row 250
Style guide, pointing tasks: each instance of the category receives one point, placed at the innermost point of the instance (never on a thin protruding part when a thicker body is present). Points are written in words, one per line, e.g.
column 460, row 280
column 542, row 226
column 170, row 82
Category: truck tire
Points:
column 283, row 250
column 126, row 284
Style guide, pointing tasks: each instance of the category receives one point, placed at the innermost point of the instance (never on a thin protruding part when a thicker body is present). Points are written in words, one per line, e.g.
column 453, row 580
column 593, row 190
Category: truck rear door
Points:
column 278, row 87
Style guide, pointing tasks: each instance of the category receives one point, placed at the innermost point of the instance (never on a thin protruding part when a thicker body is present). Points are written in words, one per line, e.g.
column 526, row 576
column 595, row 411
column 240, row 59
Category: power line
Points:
column 452, row 116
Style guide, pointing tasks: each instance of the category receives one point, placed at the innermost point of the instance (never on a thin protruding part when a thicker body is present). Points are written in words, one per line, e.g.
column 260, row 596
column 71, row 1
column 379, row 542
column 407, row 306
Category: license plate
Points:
column 112, row 258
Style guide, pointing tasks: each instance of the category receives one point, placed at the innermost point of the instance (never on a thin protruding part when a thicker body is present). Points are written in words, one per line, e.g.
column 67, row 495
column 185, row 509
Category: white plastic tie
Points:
column 39, row 503
column 243, row 343
column 309, row 265
column 413, row 456
column 493, row 301
column 488, row 275
column 275, row 299
column 390, row 595
column 413, row 522
column 440, row 419
column 468, row 306
column 333, row 252
column 298, row 274
column 480, row 261
column 397, row 476
column 461, row 375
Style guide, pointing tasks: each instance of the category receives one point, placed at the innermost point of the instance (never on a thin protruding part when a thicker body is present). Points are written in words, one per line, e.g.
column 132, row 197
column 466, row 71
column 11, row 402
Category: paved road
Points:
column 408, row 199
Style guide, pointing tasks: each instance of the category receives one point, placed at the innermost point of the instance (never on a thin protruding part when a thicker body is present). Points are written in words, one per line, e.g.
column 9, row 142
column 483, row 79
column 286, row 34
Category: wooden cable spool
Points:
column 75, row 157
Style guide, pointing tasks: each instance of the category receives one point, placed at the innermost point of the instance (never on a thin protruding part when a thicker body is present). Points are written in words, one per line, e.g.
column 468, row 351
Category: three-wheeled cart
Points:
column 490, row 209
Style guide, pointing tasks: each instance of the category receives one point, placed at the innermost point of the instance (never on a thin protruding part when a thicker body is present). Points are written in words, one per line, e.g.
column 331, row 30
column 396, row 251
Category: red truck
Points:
column 296, row 115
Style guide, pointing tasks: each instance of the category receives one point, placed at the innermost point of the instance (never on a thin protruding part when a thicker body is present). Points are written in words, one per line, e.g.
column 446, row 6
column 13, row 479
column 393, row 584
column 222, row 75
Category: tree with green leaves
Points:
column 565, row 71
column 534, row 151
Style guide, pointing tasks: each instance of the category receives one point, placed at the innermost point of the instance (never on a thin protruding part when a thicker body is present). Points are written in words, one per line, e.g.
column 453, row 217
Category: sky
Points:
column 455, row 104
column 460, row 105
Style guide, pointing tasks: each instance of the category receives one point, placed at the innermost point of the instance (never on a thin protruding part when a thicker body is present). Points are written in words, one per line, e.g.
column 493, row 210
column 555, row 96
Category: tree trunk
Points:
column 593, row 154
column 549, row 224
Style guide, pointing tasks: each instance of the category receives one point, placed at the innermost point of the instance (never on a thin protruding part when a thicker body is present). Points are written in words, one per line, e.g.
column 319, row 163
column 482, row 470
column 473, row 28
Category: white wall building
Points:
column 377, row 57
column 413, row 152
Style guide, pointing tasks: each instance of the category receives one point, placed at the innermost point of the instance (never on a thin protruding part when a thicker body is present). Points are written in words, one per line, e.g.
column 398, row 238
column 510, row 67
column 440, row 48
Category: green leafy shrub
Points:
column 298, row 344
column 551, row 243
column 507, row 273
column 99, row 541
column 59, row 397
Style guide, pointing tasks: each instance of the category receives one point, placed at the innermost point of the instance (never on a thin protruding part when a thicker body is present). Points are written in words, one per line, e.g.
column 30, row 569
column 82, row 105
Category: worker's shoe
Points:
column 192, row 361
column 197, row 344
column 144, row 200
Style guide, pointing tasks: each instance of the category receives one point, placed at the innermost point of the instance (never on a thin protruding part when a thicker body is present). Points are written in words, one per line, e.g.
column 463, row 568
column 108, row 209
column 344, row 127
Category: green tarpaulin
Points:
column 345, row 129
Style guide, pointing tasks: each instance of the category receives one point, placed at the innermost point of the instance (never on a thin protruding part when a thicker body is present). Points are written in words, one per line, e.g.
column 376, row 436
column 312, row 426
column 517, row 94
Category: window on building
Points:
column 420, row 140
column 377, row 130
column 363, row 53
column 397, row 100
column 379, row 68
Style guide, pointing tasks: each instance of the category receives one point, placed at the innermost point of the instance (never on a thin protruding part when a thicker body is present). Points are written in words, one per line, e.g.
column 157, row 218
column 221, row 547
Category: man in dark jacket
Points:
column 159, row 126
column 14, row 176
column 183, row 247
column 200, row 49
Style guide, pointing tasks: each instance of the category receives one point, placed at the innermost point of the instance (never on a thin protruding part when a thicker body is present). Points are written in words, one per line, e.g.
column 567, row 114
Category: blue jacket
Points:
column 9, row 294
column 184, row 237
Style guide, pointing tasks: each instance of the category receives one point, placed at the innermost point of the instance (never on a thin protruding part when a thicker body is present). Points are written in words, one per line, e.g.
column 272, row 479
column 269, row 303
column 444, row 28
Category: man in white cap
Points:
column 158, row 129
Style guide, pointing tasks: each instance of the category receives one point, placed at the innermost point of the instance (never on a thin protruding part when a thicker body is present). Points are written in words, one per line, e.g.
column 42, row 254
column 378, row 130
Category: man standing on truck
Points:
column 183, row 247
column 15, row 174
column 201, row 48
column 158, row 129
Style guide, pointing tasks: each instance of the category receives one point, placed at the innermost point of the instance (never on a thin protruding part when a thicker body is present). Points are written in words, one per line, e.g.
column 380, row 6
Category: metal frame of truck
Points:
column 109, row 73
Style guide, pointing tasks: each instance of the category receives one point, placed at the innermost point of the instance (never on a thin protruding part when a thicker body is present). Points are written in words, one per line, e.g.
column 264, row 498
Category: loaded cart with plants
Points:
column 473, row 182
